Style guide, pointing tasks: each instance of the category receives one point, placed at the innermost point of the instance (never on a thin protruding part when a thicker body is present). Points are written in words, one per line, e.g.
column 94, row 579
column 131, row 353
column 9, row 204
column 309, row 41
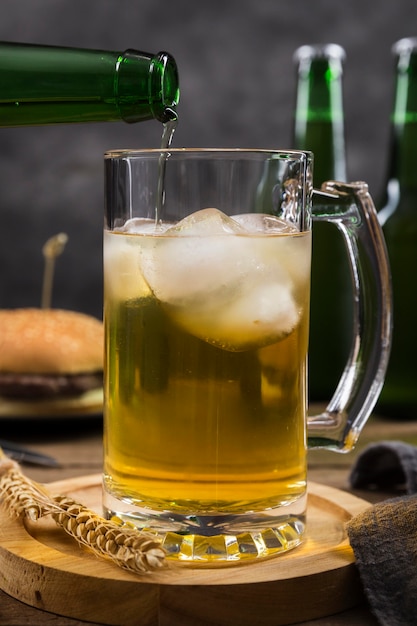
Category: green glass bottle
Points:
column 49, row 85
column 319, row 127
column 398, row 218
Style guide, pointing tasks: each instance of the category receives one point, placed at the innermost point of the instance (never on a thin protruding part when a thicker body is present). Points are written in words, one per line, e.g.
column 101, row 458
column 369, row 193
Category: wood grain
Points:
column 43, row 567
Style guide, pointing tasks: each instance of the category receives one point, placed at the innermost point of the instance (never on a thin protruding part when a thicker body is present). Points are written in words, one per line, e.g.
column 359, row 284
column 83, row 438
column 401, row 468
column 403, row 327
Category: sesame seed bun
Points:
column 50, row 341
column 51, row 361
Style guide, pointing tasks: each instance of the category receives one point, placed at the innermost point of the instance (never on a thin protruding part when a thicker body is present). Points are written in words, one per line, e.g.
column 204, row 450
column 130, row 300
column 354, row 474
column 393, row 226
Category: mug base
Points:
column 216, row 540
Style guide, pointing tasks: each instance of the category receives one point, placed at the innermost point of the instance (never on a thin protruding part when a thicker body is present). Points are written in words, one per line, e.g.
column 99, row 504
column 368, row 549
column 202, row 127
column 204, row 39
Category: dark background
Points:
column 237, row 90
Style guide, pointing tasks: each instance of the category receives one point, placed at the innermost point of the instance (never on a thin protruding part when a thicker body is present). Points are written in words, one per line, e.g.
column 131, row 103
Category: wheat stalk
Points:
column 128, row 547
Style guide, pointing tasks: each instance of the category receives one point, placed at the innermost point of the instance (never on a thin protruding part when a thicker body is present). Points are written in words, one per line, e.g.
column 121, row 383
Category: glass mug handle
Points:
column 350, row 207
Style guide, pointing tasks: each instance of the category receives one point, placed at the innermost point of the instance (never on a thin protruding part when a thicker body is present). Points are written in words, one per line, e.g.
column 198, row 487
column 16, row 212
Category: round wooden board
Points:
column 43, row 567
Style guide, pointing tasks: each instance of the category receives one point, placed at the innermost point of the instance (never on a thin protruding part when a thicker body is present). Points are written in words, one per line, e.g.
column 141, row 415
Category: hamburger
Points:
column 51, row 362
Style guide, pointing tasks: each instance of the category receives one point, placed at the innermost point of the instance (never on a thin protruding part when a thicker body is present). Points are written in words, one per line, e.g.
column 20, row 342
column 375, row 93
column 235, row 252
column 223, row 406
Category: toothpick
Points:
column 52, row 248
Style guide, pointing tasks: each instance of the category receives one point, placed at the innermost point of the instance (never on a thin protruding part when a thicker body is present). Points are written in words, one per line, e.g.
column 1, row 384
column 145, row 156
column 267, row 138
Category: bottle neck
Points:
column 318, row 120
column 403, row 140
column 49, row 85
column 147, row 86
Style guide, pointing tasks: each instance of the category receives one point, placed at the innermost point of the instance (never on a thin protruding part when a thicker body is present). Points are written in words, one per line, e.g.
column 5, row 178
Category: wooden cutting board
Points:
column 42, row 566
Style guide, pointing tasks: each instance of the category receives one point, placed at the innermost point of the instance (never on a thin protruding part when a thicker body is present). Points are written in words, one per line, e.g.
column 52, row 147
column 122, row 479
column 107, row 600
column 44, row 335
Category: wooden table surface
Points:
column 77, row 444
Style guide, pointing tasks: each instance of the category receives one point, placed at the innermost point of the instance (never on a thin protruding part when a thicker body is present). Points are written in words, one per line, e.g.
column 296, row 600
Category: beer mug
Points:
column 206, row 308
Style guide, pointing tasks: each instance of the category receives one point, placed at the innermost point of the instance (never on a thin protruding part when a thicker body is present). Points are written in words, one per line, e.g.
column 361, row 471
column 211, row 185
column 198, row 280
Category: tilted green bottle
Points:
column 398, row 218
column 319, row 127
column 49, row 85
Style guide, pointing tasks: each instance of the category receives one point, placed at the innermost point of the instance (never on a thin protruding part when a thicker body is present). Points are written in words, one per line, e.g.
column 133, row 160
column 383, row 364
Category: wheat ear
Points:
column 129, row 548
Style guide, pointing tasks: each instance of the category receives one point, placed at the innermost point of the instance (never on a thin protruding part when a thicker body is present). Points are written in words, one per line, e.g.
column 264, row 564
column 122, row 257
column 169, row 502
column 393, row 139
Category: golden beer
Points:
column 206, row 346
column 207, row 259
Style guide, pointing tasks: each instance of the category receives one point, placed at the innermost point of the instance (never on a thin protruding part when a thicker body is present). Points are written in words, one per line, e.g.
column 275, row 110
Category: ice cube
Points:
column 138, row 226
column 122, row 280
column 255, row 318
column 143, row 226
column 220, row 283
column 187, row 261
column 263, row 223
column 206, row 222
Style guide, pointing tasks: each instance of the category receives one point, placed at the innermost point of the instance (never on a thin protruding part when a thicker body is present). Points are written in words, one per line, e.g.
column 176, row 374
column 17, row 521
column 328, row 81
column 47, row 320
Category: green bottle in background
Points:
column 398, row 218
column 319, row 127
column 48, row 85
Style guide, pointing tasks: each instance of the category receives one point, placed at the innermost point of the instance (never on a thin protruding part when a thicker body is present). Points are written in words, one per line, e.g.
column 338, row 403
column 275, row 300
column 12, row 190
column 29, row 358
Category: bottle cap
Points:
column 319, row 50
column 405, row 45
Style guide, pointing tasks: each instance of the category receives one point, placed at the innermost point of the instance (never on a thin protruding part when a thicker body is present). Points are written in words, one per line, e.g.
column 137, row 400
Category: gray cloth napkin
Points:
column 384, row 537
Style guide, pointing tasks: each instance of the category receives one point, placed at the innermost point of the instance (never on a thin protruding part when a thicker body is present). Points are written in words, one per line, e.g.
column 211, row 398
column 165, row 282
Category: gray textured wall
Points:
column 237, row 89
